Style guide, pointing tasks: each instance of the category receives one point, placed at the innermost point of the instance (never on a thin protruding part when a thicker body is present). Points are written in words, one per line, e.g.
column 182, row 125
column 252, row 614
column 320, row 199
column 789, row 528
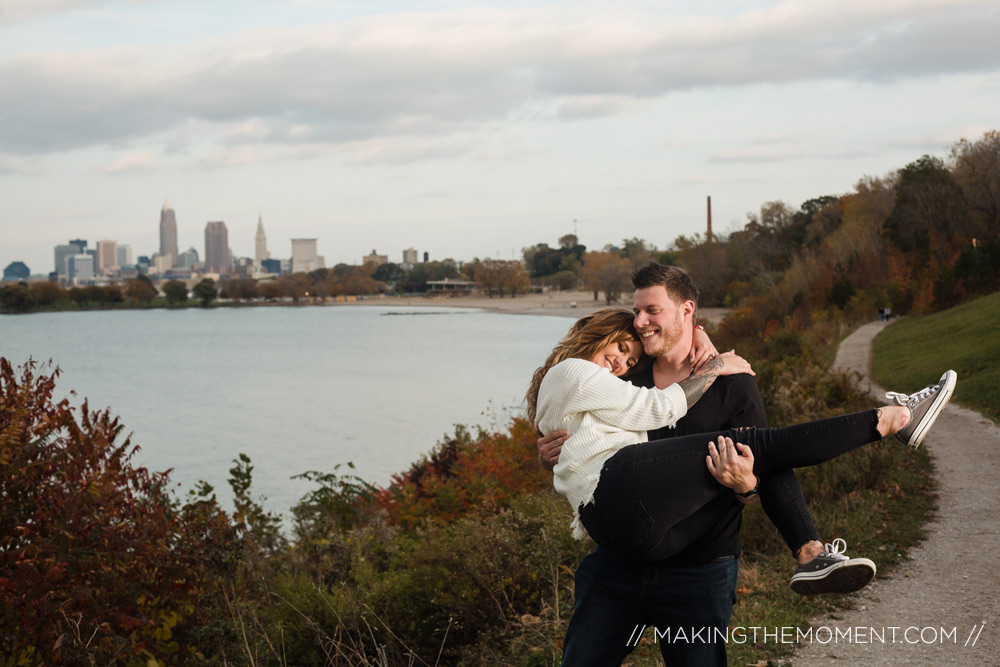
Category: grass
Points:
column 914, row 351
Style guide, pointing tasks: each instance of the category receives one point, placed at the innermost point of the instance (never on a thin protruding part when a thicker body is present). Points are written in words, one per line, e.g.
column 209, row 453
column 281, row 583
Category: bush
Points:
column 97, row 563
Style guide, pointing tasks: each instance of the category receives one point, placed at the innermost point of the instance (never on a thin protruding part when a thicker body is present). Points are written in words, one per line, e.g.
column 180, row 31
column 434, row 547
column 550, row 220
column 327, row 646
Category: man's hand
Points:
column 731, row 465
column 549, row 447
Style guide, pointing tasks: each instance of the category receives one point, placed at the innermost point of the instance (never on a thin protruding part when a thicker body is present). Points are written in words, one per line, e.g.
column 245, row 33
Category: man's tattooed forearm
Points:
column 695, row 386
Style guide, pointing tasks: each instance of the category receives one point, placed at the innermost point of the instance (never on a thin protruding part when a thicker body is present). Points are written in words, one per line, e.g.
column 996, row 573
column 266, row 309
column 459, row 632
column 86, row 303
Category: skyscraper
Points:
column 107, row 258
column 216, row 247
column 260, row 248
column 168, row 232
column 125, row 255
column 304, row 257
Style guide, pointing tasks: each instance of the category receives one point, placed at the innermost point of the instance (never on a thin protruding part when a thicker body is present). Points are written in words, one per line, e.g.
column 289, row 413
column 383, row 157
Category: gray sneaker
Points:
column 925, row 406
column 832, row 572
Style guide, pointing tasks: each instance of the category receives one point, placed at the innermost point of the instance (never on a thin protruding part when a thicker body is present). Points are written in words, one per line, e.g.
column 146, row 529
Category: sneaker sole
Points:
column 920, row 432
column 847, row 577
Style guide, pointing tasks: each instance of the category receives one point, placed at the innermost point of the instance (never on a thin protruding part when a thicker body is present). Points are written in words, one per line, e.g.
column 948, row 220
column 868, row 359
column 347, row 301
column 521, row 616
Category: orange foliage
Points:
column 463, row 474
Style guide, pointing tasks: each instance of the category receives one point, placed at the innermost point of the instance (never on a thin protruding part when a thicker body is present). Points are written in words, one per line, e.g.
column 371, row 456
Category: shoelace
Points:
column 909, row 400
column 836, row 549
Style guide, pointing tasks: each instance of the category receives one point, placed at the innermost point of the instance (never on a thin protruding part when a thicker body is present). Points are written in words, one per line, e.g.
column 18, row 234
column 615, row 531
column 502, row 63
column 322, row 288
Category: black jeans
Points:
column 655, row 497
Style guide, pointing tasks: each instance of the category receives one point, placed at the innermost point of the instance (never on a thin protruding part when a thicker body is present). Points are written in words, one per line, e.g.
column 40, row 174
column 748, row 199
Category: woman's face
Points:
column 619, row 357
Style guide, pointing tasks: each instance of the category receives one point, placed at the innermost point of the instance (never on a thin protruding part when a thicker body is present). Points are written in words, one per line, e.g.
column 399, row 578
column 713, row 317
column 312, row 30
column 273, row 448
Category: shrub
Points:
column 97, row 563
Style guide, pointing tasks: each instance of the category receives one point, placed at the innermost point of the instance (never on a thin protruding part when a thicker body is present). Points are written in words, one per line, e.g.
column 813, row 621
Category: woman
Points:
column 633, row 496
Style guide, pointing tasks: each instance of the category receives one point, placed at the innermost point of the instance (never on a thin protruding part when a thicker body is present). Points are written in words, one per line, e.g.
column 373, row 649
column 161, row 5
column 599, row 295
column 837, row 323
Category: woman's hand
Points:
column 733, row 364
column 702, row 350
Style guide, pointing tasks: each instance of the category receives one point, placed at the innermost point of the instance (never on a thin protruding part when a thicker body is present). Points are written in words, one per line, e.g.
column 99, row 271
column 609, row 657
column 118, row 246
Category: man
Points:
column 695, row 589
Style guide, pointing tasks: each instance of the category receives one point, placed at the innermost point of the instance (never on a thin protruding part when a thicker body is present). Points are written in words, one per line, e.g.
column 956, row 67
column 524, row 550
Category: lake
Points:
column 294, row 388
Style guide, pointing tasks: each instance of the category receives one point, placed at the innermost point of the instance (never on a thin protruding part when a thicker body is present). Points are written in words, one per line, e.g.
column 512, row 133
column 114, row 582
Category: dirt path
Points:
column 952, row 579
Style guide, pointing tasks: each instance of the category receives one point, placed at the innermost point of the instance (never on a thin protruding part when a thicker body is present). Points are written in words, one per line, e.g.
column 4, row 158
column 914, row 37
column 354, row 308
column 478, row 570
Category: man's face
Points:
column 659, row 321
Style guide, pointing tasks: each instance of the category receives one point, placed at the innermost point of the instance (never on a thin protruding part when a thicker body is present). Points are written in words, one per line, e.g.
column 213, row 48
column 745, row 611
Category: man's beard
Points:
column 670, row 337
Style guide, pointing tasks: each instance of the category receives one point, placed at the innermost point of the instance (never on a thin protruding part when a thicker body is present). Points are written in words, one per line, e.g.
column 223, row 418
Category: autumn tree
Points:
column 976, row 169
column 141, row 290
column 46, row 293
column 98, row 564
column 16, row 298
column 606, row 271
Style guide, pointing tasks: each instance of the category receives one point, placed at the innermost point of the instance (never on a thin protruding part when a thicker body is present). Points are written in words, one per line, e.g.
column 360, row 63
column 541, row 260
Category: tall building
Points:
column 107, row 258
column 304, row 257
column 410, row 258
column 260, row 245
column 16, row 271
column 80, row 267
column 125, row 256
column 61, row 253
column 188, row 259
column 216, row 247
column 168, row 231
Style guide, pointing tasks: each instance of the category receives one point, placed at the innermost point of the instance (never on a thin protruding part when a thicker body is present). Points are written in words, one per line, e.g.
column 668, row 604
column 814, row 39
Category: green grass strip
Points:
column 913, row 352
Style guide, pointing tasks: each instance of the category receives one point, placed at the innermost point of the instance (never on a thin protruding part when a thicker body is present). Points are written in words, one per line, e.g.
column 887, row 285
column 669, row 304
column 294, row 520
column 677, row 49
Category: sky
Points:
column 465, row 128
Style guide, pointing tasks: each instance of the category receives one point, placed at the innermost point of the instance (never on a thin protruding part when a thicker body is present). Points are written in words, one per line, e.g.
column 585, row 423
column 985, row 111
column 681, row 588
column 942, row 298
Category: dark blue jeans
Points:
column 654, row 498
column 615, row 601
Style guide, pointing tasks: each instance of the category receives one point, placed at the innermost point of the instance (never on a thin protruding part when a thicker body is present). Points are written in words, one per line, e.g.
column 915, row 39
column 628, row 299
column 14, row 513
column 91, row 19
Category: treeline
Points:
column 923, row 238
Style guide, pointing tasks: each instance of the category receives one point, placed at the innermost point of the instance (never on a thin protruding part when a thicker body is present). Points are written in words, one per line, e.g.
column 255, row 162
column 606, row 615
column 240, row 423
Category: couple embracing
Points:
column 657, row 469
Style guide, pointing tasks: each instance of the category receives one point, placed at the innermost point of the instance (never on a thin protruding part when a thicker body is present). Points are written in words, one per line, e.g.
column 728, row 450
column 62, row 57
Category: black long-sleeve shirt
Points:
column 732, row 401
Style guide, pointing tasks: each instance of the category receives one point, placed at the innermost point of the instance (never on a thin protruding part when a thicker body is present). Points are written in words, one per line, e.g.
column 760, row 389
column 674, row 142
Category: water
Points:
column 295, row 389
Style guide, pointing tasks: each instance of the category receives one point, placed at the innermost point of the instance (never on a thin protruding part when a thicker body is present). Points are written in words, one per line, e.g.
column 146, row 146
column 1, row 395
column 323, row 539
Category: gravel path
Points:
column 952, row 579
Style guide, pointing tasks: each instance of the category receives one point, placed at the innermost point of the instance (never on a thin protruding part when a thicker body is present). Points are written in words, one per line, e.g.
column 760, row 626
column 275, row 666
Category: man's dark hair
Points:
column 679, row 285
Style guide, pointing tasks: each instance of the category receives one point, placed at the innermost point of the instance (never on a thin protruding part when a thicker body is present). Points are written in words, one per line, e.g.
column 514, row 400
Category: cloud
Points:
column 937, row 141
column 18, row 165
column 438, row 75
column 15, row 11
column 782, row 152
column 140, row 161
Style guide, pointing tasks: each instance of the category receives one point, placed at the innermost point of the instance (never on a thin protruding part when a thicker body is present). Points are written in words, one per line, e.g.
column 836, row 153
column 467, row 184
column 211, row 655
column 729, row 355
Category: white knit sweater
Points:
column 602, row 414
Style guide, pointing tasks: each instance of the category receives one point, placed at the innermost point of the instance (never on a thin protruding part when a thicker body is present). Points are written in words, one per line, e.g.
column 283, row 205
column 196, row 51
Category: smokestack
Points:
column 708, row 237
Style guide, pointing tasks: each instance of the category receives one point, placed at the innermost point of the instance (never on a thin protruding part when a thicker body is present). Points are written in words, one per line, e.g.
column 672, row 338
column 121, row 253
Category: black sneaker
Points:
column 832, row 572
column 925, row 406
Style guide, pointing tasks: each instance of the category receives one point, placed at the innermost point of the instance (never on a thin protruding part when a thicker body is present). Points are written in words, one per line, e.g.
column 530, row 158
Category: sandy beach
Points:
column 559, row 304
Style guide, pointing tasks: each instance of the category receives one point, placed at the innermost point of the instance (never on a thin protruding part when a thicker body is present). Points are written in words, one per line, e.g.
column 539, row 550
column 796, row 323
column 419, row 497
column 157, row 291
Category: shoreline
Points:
column 555, row 304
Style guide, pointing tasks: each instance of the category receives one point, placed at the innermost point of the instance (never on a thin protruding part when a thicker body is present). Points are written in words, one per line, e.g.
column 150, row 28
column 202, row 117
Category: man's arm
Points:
column 744, row 408
column 726, row 364
column 549, row 447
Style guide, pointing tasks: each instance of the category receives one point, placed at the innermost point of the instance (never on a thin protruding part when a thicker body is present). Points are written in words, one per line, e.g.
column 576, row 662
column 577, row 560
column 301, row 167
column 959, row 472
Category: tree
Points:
column 175, row 291
column 205, row 292
column 98, row 565
column 16, row 298
column 929, row 219
column 976, row 169
column 637, row 251
column 78, row 295
column 47, row 294
column 568, row 242
column 607, row 271
column 141, row 290
column 239, row 289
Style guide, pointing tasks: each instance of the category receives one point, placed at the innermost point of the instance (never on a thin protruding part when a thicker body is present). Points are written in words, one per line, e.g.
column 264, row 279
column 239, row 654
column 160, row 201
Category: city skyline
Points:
column 468, row 128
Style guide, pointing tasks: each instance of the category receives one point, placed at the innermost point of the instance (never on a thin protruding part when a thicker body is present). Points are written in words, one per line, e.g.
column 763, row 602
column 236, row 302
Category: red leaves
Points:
column 463, row 474
column 85, row 535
